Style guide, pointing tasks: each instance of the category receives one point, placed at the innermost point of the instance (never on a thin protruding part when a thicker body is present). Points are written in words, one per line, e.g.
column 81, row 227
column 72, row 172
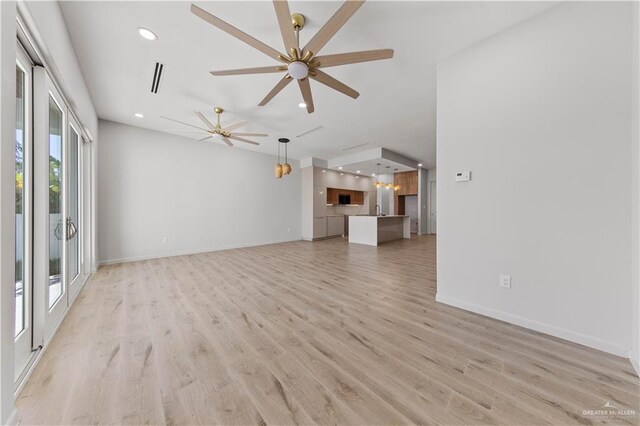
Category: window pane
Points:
column 19, row 148
column 56, row 225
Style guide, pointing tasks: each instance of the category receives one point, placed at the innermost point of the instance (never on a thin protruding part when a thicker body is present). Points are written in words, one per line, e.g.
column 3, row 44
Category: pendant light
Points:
column 279, row 166
column 283, row 169
column 286, row 168
column 378, row 184
column 388, row 185
column 396, row 187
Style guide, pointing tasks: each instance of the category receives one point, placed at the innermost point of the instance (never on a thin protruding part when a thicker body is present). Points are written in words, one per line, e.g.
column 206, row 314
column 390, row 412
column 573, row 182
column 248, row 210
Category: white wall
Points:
column 541, row 116
column 201, row 196
column 635, row 162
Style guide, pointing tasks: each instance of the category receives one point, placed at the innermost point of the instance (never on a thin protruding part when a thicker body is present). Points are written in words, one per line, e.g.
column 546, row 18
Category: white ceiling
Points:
column 396, row 108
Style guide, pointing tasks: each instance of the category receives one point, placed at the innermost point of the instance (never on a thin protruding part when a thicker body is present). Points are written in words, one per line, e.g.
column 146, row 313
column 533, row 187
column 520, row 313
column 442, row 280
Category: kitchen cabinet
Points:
column 335, row 226
column 408, row 182
column 319, row 227
column 319, row 201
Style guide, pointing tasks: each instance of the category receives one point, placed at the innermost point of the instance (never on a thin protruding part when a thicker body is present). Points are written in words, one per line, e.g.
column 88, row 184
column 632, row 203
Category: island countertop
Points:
column 371, row 230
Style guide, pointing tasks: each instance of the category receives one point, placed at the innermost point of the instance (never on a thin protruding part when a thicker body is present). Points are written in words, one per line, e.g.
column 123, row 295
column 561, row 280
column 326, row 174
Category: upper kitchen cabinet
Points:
column 408, row 182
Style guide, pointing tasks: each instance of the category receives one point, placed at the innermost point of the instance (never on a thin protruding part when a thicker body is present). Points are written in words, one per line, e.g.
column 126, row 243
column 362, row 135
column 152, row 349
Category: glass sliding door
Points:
column 56, row 225
column 73, row 219
column 23, row 158
column 58, row 207
column 50, row 230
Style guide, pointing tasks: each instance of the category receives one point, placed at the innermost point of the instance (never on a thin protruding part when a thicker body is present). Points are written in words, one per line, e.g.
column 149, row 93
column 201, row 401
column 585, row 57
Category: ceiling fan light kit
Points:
column 298, row 63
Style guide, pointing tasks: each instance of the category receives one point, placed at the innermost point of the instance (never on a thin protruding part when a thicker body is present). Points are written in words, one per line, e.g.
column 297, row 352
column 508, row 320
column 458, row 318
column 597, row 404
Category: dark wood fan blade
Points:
column 305, row 88
column 231, row 30
column 182, row 122
column 227, row 141
column 259, row 70
column 327, row 80
column 332, row 26
column 278, row 87
column 235, row 138
column 353, row 57
column 286, row 27
column 205, row 121
column 251, row 134
column 237, row 125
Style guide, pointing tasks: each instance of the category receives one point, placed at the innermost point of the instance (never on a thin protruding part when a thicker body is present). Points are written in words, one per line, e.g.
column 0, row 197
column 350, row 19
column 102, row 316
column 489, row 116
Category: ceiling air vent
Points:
column 157, row 75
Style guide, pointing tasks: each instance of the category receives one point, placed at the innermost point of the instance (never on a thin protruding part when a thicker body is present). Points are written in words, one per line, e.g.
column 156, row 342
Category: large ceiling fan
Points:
column 216, row 131
column 300, row 63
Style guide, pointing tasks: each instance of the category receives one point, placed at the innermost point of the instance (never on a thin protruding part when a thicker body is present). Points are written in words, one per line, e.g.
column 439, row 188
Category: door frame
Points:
column 24, row 340
column 433, row 215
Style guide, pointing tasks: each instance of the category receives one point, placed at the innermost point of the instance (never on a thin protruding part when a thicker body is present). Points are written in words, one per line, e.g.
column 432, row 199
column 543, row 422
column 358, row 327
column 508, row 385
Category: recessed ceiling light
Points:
column 419, row 164
column 147, row 33
column 340, row 168
column 302, row 105
column 137, row 114
column 341, row 174
column 324, row 171
column 357, row 171
column 373, row 174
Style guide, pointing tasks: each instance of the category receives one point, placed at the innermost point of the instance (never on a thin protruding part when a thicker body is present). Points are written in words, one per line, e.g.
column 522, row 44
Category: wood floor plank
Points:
column 307, row 333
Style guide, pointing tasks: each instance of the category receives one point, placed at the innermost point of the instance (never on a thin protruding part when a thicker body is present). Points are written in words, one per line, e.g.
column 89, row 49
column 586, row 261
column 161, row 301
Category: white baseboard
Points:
column 13, row 418
column 188, row 252
column 634, row 362
column 563, row 333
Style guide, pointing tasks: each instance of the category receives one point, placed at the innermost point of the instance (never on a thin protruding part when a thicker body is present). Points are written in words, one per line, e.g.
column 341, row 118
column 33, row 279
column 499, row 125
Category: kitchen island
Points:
column 373, row 230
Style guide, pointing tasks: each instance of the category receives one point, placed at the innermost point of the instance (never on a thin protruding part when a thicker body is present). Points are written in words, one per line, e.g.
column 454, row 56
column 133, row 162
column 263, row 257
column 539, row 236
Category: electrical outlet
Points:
column 505, row 281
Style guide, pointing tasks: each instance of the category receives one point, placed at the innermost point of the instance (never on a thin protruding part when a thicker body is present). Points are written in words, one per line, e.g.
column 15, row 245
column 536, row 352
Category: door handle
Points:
column 71, row 229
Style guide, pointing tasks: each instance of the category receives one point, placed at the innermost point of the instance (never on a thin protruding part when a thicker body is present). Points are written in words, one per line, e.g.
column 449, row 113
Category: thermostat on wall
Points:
column 463, row 176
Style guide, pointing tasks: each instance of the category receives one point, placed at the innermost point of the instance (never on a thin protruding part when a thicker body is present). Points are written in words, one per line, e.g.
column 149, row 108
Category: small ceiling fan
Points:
column 218, row 132
column 300, row 64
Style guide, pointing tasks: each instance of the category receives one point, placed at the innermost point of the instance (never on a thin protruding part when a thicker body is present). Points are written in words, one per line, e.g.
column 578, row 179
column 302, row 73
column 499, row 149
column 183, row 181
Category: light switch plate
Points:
column 505, row 281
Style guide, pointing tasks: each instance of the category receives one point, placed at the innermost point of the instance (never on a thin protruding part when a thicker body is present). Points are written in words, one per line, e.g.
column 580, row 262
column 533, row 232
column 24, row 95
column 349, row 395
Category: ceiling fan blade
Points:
column 353, row 57
column 286, row 27
column 332, row 26
column 251, row 134
column 227, row 141
column 186, row 124
column 278, row 87
column 183, row 131
column 231, row 30
column 259, row 70
column 305, row 88
column 205, row 138
column 235, row 125
column 235, row 138
column 327, row 80
column 205, row 121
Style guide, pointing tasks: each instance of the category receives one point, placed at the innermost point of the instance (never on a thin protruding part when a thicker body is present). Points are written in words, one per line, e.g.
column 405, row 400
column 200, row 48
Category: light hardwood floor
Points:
column 302, row 333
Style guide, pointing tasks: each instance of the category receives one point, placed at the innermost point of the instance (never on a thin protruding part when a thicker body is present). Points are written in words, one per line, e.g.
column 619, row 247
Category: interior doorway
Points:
column 411, row 210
